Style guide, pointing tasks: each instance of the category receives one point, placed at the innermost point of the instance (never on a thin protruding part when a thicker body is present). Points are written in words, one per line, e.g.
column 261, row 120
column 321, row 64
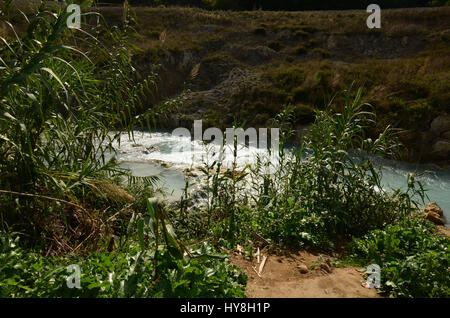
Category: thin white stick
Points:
column 254, row 268
column 261, row 267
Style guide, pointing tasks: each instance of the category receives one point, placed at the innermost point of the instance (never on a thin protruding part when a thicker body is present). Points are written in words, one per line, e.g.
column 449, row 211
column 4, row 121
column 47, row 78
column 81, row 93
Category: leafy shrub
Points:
column 325, row 190
column 438, row 3
column 206, row 275
column 287, row 77
column 127, row 273
column 414, row 262
column 301, row 33
column 330, row 183
column 411, row 89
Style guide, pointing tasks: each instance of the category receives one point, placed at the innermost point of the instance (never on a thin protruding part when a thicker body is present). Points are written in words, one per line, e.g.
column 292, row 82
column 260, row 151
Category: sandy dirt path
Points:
column 282, row 278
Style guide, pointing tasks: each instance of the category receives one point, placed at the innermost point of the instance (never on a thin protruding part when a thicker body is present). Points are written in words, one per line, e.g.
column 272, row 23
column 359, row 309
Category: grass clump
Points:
column 287, row 77
column 327, row 185
column 321, row 52
column 300, row 50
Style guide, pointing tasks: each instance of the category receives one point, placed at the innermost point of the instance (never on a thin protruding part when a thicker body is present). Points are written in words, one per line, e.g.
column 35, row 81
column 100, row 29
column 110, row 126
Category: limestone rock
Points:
column 434, row 207
column 440, row 125
column 435, row 218
column 441, row 149
column 303, row 269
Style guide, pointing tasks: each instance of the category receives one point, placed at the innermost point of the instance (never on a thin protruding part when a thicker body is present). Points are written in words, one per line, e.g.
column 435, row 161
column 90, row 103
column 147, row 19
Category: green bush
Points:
column 287, row 78
column 326, row 190
column 126, row 273
column 259, row 31
column 321, row 52
column 414, row 261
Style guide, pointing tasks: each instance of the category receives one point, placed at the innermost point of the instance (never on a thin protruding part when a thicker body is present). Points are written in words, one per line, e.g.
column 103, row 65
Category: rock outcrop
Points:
column 441, row 149
column 440, row 125
column 440, row 141
column 434, row 213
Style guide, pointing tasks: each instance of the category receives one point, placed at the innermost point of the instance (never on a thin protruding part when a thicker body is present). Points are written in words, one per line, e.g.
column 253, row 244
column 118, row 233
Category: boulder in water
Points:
column 152, row 148
column 166, row 164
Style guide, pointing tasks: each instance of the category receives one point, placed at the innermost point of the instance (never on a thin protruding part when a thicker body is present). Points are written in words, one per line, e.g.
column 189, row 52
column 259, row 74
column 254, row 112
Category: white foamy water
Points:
column 181, row 152
column 142, row 154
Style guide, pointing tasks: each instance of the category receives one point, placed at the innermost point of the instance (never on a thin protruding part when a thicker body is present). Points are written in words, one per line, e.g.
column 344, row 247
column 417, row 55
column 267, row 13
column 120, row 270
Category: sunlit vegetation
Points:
column 402, row 66
column 65, row 95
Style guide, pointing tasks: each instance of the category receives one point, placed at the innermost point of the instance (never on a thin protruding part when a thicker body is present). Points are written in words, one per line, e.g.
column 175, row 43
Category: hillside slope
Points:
column 244, row 66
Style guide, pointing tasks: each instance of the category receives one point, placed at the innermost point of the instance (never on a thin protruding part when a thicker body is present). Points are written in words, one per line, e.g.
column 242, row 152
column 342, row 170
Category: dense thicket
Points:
column 290, row 5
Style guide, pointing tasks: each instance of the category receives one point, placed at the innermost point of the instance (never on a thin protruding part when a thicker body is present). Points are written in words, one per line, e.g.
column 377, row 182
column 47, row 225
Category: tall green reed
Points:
column 325, row 190
column 62, row 91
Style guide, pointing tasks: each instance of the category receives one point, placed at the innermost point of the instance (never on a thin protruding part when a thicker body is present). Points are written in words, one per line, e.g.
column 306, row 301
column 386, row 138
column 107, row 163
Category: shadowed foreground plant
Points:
column 144, row 266
column 61, row 93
